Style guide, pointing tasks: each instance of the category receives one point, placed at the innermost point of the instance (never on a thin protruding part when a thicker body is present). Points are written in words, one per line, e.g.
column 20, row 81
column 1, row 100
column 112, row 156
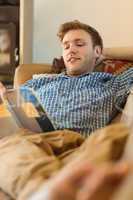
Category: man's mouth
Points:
column 73, row 59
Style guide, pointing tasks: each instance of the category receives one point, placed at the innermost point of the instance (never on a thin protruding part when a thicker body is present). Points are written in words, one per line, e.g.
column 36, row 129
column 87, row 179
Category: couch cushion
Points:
column 114, row 66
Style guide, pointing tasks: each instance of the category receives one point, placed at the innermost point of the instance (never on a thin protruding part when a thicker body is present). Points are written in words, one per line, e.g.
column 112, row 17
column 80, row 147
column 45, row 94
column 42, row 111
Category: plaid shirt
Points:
column 83, row 103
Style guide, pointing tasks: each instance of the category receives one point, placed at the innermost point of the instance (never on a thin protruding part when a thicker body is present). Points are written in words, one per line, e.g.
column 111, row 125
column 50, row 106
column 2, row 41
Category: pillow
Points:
column 113, row 66
column 58, row 65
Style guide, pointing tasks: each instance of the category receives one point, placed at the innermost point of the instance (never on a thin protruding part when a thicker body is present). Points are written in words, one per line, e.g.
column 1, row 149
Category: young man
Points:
column 80, row 99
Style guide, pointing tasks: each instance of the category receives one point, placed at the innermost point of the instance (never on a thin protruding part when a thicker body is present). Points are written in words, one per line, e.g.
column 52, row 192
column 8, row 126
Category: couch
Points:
column 25, row 72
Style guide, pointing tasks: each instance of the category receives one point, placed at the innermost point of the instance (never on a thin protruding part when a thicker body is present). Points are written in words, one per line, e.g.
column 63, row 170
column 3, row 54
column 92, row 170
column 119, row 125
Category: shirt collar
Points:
column 63, row 74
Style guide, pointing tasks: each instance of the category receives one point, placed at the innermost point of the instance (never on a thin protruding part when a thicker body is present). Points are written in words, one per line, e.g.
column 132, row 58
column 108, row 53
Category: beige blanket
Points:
column 28, row 160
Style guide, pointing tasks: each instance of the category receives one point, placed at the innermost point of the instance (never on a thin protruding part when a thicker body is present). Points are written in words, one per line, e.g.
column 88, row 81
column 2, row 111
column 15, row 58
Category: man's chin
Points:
column 74, row 67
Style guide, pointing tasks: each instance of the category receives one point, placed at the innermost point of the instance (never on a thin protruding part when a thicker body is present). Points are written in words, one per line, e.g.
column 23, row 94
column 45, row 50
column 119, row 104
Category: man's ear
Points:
column 98, row 54
column 98, row 51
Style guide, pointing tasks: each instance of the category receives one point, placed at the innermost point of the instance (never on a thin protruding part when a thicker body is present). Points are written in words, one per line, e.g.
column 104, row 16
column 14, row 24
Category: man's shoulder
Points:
column 102, row 75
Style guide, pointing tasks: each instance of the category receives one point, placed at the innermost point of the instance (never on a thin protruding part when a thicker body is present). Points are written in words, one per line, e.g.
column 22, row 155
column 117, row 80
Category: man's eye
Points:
column 66, row 47
column 80, row 44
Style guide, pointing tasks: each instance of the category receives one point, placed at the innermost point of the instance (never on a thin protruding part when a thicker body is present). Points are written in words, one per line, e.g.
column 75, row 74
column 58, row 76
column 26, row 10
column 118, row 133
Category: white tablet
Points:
column 27, row 110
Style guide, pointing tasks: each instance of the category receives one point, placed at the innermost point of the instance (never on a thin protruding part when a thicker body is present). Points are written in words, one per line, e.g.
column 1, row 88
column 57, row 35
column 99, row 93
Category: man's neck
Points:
column 75, row 74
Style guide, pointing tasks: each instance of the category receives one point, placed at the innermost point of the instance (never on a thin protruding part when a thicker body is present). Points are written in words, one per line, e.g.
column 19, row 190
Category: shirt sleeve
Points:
column 124, row 83
column 125, row 80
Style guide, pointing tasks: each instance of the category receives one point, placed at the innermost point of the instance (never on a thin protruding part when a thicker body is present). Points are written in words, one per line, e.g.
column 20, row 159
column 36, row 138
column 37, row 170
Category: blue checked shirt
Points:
column 83, row 103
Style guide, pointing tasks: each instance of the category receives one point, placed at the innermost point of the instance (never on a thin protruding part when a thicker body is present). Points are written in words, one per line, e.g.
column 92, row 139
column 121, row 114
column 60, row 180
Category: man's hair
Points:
column 75, row 25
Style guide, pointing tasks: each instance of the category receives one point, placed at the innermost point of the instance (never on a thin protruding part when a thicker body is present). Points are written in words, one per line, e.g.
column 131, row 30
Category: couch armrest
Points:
column 24, row 72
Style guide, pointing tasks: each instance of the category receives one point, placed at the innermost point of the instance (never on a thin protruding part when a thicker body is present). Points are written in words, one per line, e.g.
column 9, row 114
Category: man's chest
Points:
column 69, row 94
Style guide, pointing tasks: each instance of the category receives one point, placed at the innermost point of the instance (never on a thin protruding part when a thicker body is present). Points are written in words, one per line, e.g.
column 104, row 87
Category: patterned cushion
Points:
column 58, row 65
column 113, row 66
column 108, row 65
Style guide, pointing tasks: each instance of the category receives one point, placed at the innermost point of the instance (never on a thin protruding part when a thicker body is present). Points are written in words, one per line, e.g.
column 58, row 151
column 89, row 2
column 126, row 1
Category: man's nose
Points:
column 73, row 48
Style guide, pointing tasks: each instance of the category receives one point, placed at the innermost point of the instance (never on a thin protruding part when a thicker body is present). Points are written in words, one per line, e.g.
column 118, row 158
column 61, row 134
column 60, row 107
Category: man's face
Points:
column 78, row 52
